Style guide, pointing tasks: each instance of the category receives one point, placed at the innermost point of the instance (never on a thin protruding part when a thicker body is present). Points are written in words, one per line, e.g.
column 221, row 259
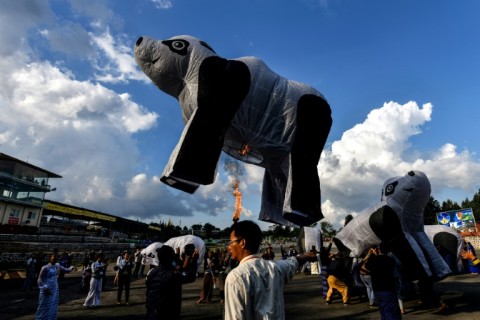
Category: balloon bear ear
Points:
column 203, row 43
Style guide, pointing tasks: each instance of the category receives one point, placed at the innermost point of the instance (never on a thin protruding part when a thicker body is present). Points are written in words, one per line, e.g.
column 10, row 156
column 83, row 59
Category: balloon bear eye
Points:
column 178, row 45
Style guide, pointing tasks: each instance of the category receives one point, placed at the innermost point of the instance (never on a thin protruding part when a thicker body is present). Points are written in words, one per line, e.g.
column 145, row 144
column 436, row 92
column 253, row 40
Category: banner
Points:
column 461, row 219
column 79, row 212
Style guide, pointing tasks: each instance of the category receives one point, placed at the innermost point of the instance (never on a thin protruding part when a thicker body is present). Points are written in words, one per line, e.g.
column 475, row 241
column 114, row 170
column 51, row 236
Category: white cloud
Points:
column 449, row 169
column 39, row 94
column 69, row 38
column 81, row 129
column 16, row 19
column 115, row 62
column 162, row 4
column 354, row 170
column 97, row 10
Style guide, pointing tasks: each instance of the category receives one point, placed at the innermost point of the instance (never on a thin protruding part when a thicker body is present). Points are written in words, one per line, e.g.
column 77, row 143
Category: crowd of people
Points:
column 235, row 270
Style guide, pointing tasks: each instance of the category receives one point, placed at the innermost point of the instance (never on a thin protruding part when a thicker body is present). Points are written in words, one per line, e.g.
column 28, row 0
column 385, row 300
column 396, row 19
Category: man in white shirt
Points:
column 254, row 289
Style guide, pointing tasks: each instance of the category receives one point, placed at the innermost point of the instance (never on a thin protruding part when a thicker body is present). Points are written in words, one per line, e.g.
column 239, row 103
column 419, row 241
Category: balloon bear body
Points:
column 242, row 107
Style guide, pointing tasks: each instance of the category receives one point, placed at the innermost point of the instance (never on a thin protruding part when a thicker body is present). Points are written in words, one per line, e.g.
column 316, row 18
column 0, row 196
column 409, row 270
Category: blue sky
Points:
column 401, row 77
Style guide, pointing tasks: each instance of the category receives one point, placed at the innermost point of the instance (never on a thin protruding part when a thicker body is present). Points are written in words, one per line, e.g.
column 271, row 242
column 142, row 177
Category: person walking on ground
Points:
column 254, row 289
column 138, row 262
column 382, row 271
column 324, row 263
column 225, row 267
column 49, row 292
column 472, row 267
column 314, row 266
column 93, row 297
column 64, row 263
column 338, row 279
column 86, row 272
column 164, row 284
column 268, row 254
column 104, row 274
column 39, row 264
column 142, row 268
column 398, row 280
column 30, row 272
column 119, row 257
column 470, row 255
column 292, row 252
column 208, row 284
column 125, row 267
column 366, row 277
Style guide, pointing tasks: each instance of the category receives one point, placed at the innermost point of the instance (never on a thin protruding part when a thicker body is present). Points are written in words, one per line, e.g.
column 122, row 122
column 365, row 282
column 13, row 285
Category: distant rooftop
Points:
column 8, row 159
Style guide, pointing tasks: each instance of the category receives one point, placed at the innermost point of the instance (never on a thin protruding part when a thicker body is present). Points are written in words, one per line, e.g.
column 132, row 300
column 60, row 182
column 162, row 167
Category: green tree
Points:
column 168, row 231
column 327, row 229
column 295, row 232
column 208, row 228
column 278, row 231
column 450, row 205
column 475, row 205
column 430, row 211
column 225, row 233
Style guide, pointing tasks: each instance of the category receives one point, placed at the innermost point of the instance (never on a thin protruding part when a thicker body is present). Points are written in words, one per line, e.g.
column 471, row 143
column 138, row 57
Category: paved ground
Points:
column 302, row 298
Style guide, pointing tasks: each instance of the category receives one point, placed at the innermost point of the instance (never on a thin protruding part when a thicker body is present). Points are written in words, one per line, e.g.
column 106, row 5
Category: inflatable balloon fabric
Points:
column 242, row 107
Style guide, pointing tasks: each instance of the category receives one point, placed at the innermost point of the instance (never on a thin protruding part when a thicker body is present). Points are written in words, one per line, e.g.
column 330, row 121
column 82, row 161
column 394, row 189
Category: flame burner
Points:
column 245, row 149
column 238, row 201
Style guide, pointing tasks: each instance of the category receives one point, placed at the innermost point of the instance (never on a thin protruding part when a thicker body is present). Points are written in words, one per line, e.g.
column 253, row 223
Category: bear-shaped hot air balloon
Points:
column 398, row 221
column 449, row 244
column 242, row 107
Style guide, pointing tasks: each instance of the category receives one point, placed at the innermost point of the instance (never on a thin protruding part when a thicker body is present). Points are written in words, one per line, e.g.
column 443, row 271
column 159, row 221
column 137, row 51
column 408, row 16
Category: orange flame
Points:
column 244, row 150
column 238, row 201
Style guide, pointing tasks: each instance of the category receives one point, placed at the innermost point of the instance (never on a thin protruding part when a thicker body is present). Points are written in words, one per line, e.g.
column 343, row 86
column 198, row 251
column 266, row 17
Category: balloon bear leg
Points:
column 220, row 94
column 303, row 197
column 291, row 194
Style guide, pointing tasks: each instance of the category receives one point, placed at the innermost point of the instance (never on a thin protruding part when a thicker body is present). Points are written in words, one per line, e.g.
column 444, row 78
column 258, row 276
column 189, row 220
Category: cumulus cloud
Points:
column 353, row 171
column 16, row 20
column 79, row 128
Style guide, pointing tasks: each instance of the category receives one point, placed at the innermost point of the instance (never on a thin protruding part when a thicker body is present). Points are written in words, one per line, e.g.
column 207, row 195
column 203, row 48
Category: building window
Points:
column 31, row 215
column 14, row 217
column 15, row 213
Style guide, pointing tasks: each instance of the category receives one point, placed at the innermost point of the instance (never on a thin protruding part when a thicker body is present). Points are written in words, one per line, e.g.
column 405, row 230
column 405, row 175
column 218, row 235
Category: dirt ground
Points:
column 303, row 300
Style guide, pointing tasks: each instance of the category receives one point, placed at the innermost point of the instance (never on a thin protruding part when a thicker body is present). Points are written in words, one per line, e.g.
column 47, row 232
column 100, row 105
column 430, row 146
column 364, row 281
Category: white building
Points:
column 22, row 190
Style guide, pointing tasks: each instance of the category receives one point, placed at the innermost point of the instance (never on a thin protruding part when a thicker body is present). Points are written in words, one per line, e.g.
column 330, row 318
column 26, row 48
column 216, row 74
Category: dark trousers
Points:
column 388, row 305
column 123, row 281
column 137, row 270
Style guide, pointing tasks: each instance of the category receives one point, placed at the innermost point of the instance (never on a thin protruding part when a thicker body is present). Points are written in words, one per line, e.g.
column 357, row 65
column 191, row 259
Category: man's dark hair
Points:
column 384, row 247
column 249, row 231
column 166, row 255
column 189, row 248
